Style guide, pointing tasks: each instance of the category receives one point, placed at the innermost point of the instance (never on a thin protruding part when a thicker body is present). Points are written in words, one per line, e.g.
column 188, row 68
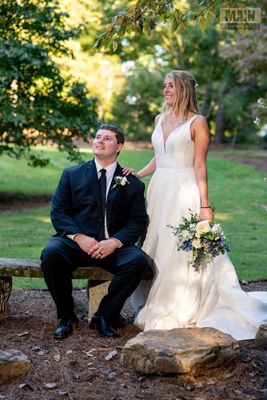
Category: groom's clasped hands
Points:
column 95, row 249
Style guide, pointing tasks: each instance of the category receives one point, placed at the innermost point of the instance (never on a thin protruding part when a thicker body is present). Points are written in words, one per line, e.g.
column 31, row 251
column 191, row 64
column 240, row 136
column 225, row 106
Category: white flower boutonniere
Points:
column 120, row 181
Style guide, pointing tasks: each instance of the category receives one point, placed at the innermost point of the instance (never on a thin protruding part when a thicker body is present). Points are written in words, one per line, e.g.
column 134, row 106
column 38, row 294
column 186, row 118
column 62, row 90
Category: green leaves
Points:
column 205, row 20
column 147, row 16
column 138, row 16
column 38, row 105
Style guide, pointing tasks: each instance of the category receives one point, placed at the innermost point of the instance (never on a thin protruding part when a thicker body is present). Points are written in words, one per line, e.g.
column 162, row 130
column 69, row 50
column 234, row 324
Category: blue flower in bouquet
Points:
column 187, row 246
column 204, row 239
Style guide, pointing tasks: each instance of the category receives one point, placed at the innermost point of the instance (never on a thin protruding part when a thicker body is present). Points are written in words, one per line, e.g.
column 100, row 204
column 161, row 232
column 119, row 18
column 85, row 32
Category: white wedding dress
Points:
column 178, row 296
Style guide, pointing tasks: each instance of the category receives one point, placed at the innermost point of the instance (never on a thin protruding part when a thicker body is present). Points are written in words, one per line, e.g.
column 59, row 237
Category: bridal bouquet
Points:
column 205, row 240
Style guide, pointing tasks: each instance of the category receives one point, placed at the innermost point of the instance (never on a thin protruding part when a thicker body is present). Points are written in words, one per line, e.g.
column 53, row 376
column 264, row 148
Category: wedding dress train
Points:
column 178, row 296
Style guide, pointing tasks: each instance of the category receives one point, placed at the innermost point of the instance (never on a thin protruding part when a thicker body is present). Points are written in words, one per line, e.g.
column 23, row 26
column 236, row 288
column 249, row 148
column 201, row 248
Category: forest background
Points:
column 56, row 84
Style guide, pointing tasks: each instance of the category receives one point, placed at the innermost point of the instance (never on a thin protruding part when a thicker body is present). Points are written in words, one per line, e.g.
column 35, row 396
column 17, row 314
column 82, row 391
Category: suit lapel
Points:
column 113, row 191
column 92, row 179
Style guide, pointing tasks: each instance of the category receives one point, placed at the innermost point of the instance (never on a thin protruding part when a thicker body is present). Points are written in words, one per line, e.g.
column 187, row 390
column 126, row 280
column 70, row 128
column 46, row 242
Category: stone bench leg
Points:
column 5, row 290
column 96, row 290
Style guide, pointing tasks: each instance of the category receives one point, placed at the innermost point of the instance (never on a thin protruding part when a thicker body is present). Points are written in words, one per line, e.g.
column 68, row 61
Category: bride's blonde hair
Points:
column 186, row 99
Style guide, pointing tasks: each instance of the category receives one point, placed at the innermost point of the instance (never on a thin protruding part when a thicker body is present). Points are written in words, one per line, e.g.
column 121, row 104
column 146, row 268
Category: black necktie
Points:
column 103, row 188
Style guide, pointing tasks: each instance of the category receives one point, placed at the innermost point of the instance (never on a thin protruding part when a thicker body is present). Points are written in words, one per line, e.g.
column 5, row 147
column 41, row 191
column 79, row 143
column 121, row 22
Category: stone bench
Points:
column 97, row 280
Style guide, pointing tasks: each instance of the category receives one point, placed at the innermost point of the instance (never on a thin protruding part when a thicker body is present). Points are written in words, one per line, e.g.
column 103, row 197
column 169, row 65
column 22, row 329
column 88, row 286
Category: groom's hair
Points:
column 118, row 132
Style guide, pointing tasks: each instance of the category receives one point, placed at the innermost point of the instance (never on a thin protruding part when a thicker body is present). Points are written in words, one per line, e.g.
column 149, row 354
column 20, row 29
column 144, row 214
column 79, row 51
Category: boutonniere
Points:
column 120, row 181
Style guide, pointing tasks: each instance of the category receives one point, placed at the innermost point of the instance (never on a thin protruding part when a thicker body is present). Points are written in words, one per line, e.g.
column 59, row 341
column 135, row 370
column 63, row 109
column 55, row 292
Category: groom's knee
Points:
column 139, row 262
column 51, row 256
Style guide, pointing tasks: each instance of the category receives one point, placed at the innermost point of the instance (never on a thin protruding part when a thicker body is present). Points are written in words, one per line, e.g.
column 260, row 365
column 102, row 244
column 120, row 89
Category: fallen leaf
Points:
column 227, row 375
column 210, row 382
column 111, row 355
column 51, row 385
column 25, row 386
column 57, row 357
column 36, row 348
column 88, row 353
column 23, row 334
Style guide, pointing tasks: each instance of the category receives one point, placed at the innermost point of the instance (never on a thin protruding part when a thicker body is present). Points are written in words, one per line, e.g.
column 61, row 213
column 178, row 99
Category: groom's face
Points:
column 105, row 145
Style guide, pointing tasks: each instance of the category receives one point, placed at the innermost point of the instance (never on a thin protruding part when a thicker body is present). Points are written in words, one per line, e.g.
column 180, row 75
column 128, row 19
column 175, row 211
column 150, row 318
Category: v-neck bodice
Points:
column 178, row 149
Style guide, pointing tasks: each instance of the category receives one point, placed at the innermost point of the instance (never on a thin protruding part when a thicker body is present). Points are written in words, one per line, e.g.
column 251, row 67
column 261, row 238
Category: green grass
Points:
column 17, row 177
column 238, row 191
column 231, row 152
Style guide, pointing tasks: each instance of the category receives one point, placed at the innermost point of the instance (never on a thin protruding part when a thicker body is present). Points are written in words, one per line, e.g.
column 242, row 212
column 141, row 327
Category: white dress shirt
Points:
column 110, row 170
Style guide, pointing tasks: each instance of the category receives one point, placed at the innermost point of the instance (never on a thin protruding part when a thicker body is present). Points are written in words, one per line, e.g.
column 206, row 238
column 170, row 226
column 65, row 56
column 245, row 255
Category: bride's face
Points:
column 169, row 91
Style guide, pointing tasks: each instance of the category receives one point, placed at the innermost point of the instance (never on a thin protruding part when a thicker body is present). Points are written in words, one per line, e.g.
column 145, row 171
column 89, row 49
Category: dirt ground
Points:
column 77, row 368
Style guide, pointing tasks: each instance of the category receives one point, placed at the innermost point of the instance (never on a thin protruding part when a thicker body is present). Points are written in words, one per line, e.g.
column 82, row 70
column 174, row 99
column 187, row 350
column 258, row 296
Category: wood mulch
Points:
column 77, row 368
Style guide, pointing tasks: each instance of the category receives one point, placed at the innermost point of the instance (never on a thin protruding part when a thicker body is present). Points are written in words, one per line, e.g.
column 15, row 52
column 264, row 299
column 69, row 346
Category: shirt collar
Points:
column 110, row 168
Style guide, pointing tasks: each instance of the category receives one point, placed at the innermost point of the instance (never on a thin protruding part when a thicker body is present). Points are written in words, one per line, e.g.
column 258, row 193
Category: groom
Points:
column 98, row 215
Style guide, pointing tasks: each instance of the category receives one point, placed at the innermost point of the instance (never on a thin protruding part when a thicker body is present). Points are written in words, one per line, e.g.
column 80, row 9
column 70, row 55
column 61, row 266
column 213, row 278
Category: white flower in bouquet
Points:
column 196, row 243
column 202, row 227
column 186, row 235
column 216, row 229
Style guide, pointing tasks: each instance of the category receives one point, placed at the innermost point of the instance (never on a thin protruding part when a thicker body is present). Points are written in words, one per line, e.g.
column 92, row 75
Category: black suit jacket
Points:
column 76, row 205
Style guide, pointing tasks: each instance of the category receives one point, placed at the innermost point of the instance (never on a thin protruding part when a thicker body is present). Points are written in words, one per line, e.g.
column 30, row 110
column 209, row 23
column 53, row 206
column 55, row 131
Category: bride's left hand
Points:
column 206, row 213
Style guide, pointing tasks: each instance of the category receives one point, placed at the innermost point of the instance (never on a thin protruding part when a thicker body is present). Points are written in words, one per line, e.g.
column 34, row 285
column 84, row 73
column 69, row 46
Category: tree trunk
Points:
column 220, row 126
column 206, row 107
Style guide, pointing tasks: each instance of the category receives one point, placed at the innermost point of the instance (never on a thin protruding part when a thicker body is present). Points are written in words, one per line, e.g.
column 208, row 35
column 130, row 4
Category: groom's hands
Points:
column 86, row 243
column 97, row 249
column 105, row 248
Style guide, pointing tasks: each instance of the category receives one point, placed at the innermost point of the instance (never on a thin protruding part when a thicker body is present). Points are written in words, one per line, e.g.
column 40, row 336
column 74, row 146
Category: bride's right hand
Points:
column 127, row 171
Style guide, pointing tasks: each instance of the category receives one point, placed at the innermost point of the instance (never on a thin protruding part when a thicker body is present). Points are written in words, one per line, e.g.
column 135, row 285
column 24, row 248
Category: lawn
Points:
column 238, row 192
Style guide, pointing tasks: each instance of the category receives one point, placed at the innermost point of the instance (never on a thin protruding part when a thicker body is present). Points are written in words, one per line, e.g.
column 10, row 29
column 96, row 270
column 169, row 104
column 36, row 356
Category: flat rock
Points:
column 179, row 350
column 13, row 364
column 261, row 337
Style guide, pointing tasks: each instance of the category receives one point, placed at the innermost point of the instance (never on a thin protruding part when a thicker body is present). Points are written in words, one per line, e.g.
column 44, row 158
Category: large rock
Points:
column 13, row 364
column 261, row 337
column 179, row 350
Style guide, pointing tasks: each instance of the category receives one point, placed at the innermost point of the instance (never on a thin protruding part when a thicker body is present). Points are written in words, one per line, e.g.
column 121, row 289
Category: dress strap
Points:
column 190, row 120
column 193, row 118
column 160, row 119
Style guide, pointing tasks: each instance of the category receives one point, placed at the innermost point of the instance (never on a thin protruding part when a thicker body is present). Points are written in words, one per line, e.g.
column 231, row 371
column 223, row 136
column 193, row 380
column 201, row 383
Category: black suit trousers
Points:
column 62, row 256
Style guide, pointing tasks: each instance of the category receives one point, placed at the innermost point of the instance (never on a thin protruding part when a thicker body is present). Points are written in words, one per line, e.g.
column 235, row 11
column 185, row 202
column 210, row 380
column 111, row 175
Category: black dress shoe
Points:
column 119, row 323
column 99, row 324
column 63, row 330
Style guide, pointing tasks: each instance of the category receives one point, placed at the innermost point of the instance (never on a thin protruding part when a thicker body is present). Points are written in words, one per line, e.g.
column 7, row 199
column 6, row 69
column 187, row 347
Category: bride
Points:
column 178, row 296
